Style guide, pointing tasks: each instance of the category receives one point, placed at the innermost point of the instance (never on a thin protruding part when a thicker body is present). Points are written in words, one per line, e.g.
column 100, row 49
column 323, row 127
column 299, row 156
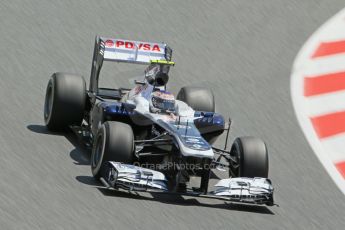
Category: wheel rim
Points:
column 48, row 103
column 98, row 152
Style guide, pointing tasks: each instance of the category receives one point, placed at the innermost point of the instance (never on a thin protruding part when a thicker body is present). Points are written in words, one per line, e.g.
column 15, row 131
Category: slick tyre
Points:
column 114, row 142
column 64, row 101
column 200, row 99
column 252, row 155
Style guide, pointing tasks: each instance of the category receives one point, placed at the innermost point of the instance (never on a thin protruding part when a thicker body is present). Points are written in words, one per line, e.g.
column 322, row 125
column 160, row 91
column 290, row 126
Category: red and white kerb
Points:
column 318, row 94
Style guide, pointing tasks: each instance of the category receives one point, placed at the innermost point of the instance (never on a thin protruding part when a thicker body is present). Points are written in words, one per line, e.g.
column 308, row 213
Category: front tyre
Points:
column 252, row 155
column 64, row 101
column 114, row 142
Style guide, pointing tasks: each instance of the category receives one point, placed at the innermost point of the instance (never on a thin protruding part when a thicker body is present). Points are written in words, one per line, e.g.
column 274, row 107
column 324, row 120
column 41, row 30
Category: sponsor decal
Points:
column 109, row 43
column 193, row 140
column 197, row 146
column 139, row 45
column 164, row 94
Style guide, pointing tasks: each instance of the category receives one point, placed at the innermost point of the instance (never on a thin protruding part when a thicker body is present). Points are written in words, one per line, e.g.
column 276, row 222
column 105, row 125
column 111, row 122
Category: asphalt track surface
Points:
column 242, row 50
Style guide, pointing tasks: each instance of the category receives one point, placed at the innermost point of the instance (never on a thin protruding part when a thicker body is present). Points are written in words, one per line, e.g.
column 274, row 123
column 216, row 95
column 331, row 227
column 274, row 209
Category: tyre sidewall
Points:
column 49, row 101
column 97, row 163
column 117, row 145
column 253, row 157
column 68, row 102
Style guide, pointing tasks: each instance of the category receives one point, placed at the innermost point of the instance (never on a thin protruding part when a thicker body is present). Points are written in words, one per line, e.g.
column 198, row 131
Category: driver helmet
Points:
column 162, row 102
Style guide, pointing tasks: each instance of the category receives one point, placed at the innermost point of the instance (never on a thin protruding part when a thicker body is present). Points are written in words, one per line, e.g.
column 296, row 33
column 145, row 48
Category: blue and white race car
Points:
column 145, row 139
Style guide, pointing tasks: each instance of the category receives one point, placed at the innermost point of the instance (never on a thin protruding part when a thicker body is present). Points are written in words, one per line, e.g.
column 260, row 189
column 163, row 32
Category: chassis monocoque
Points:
column 136, row 149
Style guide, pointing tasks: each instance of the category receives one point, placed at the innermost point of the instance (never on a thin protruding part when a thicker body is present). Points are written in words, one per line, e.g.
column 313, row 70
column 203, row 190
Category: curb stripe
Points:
column 320, row 105
column 324, row 104
column 329, row 124
column 321, row 84
column 329, row 48
column 341, row 168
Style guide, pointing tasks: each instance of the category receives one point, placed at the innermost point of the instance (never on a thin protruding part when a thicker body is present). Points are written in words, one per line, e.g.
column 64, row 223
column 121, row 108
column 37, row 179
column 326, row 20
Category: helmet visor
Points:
column 164, row 105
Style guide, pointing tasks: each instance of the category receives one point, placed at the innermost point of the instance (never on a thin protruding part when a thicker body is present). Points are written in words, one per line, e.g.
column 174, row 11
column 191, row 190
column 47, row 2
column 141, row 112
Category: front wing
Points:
column 133, row 178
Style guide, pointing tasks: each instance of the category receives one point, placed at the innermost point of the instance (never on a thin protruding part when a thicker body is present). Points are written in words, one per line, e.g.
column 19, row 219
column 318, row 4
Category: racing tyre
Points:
column 114, row 142
column 252, row 155
column 65, row 101
column 200, row 99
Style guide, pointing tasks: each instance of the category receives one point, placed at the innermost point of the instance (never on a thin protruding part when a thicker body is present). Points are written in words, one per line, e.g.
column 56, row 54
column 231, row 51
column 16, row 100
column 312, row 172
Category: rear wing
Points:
column 139, row 52
column 120, row 50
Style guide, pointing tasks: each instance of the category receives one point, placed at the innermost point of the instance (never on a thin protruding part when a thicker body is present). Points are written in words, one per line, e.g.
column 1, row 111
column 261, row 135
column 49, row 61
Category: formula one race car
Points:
column 143, row 139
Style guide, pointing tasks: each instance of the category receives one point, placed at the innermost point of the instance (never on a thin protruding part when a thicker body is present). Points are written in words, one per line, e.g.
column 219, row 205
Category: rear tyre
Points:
column 200, row 99
column 252, row 155
column 64, row 101
column 114, row 142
